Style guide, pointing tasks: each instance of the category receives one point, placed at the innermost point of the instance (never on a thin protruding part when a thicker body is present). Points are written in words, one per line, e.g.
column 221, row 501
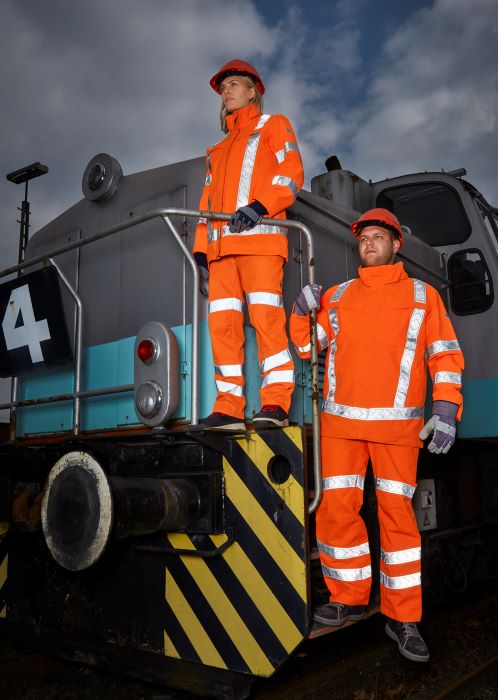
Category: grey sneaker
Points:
column 270, row 417
column 410, row 643
column 336, row 614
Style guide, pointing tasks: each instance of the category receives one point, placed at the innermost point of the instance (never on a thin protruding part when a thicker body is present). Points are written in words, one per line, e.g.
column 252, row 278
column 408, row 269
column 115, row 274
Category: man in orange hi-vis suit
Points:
column 255, row 171
column 380, row 328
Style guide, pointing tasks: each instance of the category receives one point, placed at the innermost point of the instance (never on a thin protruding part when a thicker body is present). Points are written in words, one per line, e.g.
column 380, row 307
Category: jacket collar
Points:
column 379, row 275
column 243, row 118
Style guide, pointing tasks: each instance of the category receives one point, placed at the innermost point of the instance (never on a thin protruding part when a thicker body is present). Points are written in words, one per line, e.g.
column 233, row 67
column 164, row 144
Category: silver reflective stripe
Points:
column 288, row 146
column 347, row 481
column 278, row 376
column 265, row 298
column 419, row 291
column 357, row 413
column 280, row 358
column 397, row 487
column 343, row 552
column 403, row 556
column 228, row 304
column 259, row 229
column 447, row 378
column 229, row 388
column 407, row 581
column 407, row 358
column 323, row 340
column 340, row 290
column 208, row 179
column 246, row 170
column 304, row 348
column 334, row 324
column 229, row 370
column 284, row 181
column 213, row 233
column 442, row 346
column 202, row 220
column 262, row 121
column 348, row 574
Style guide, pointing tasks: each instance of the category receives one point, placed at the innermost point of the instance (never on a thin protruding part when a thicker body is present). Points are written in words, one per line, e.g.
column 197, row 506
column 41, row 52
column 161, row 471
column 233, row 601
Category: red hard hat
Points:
column 378, row 217
column 236, row 67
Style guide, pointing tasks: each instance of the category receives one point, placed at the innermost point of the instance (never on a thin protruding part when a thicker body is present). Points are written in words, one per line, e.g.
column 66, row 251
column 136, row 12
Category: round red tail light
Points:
column 147, row 350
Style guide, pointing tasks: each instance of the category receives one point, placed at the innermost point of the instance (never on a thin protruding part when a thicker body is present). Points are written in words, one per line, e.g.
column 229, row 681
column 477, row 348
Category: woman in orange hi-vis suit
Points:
column 255, row 171
column 382, row 329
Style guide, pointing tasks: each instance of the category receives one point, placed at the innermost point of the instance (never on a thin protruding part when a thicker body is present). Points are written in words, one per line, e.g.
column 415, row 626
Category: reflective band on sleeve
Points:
column 447, row 378
column 419, row 291
column 304, row 348
column 347, row 481
column 284, row 181
column 408, row 356
column 228, row 304
column 278, row 376
column 262, row 120
column 229, row 370
column 208, row 179
column 264, row 298
column 357, row 413
column 403, row 556
column 442, row 346
column 398, row 488
column 256, row 230
column 348, row 574
column 343, row 552
column 246, row 170
column 407, row 581
column 229, row 388
column 323, row 340
column 202, row 220
column 288, row 146
column 280, row 358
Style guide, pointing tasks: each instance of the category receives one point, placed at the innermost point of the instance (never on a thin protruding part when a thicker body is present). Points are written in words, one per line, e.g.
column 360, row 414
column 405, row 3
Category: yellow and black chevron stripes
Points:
column 244, row 609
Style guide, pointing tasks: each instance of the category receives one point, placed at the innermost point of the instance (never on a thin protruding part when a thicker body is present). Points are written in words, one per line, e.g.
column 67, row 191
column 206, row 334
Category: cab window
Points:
column 432, row 210
column 471, row 289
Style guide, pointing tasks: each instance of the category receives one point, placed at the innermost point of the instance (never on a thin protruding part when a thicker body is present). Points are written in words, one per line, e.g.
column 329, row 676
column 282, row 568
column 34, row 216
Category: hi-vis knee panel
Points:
column 245, row 608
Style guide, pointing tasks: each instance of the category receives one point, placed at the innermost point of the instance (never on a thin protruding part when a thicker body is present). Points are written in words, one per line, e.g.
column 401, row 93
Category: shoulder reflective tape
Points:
column 403, row 556
column 208, row 179
column 229, row 370
column 407, row 581
column 447, row 378
column 280, row 358
column 229, row 388
column 419, row 291
column 264, row 298
column 288, row 146
column 347, row 481
column 357, row 413
column 398, row 488
column 361, row 574
column 262, row 120
column 344, row 552
column 340, row 290
column 228, row 304
column 284, row 181
column 323, row 340
column 279, row 376
column 247, row 170
column 408, row 356
column 442, row 346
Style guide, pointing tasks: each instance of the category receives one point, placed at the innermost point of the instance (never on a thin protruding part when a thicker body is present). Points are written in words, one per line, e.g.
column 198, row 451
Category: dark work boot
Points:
column 270, row 417
column 221, row 421
column 336, row 614
column 410, row 643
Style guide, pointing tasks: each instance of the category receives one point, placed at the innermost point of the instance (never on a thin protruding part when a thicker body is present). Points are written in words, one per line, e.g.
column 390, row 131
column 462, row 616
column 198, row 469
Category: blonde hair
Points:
column 257, row 100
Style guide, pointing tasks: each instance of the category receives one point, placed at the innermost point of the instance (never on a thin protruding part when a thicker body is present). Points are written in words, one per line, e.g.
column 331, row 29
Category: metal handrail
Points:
column 165, row 215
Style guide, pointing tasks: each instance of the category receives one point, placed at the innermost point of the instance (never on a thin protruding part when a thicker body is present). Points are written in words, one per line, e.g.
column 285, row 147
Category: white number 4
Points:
column 20, row 327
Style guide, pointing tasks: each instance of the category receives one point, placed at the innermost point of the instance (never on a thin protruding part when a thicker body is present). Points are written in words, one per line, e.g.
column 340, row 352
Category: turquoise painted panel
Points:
column 56, row 417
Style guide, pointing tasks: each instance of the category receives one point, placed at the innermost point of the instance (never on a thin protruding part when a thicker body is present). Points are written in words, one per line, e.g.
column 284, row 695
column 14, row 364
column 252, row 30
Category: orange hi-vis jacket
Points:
column 258, row 159
column 381, row 329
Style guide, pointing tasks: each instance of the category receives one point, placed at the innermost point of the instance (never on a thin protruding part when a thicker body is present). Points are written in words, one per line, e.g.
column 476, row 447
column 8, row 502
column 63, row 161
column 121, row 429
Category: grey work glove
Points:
column 308, row 299
column 247, row 217
column 443, row 424
column 202, row 266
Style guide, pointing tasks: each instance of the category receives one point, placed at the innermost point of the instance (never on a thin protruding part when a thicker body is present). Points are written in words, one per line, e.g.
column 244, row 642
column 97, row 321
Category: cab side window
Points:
column 471, row 289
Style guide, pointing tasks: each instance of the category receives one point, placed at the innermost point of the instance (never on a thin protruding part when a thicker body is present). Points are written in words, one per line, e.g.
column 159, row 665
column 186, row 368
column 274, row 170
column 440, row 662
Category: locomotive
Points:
column 129, row 535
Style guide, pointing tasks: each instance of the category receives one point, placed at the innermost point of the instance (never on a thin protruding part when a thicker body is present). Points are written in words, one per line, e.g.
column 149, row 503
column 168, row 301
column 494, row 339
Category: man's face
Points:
column 376, row 246
column 235, row 93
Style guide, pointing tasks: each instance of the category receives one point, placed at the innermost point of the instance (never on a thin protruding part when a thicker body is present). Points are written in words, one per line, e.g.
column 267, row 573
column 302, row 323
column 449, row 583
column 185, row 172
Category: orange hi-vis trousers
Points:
column 342, row 535
column 259, row 277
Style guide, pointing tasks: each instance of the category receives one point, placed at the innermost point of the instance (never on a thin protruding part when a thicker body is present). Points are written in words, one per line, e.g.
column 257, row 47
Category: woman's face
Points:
column 235, row 93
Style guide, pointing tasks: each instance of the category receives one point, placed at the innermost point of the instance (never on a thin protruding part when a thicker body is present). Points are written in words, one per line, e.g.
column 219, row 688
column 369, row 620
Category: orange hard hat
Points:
column 236, row 67
column 378, row 217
